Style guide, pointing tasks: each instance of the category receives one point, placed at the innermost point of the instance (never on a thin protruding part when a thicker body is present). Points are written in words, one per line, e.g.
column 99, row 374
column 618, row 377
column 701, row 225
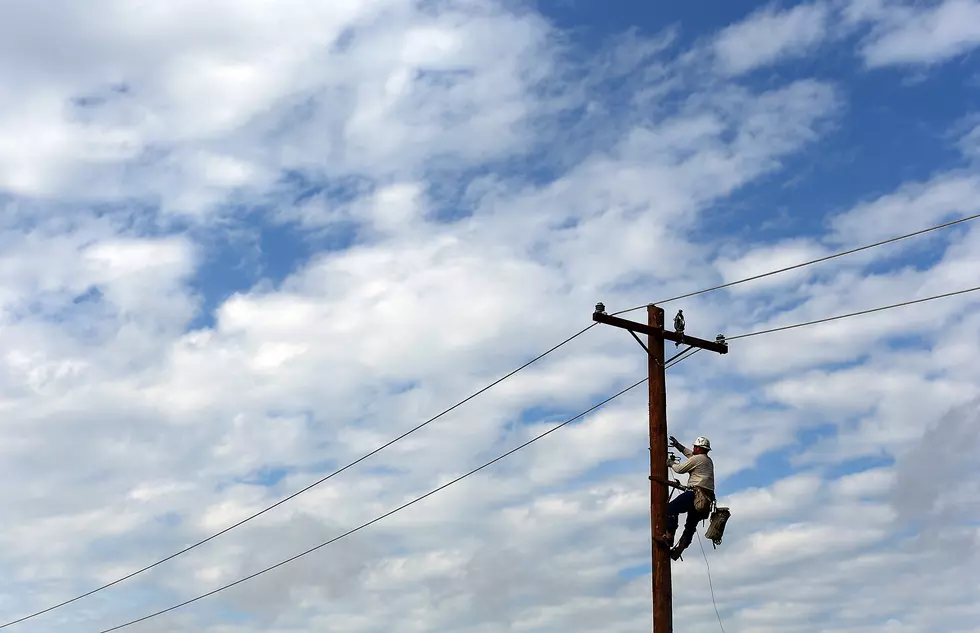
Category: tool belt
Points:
column 704, row 500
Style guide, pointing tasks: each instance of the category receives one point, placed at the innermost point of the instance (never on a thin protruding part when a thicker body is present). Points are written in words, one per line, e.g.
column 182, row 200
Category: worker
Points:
column 696, row 502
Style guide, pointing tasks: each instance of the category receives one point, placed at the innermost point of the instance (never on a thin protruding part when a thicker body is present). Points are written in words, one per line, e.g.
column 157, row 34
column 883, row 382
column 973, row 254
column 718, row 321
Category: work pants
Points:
column 681, row 504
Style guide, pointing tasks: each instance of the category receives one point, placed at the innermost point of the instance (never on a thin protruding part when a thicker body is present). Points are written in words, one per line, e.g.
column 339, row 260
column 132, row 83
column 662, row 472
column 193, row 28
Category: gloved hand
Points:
column 673, row 441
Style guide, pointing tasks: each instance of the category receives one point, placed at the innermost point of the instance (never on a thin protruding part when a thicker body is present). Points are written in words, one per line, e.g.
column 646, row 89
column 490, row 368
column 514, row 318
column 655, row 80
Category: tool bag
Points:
column 716, row 528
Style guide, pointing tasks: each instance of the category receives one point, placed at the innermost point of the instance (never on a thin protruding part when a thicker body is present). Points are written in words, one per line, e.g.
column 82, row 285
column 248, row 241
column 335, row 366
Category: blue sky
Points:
column 245, row 244
column 863, row 154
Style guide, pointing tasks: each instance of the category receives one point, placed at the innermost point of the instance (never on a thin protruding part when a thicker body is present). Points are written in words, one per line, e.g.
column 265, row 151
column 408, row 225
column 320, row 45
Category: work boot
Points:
column 675, row 553
column 669, row 538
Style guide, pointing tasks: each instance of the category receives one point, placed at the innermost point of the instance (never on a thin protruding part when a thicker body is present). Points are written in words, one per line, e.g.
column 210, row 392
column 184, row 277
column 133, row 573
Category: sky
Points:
column 243, row 244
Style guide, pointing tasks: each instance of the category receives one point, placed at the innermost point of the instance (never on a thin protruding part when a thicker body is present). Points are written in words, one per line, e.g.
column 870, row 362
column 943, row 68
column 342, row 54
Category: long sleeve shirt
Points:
column 699, row 468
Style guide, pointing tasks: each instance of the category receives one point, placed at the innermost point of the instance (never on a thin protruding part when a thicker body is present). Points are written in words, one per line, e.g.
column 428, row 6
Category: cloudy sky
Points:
column 243, row 243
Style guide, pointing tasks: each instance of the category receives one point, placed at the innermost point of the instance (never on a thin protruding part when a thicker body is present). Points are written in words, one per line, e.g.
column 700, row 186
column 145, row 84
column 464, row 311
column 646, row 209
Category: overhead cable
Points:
column 808, row 263
column 852, row 314
column 379, row 518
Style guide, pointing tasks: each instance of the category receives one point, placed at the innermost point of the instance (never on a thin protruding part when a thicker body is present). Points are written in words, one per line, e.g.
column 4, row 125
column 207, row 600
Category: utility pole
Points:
column 656, row 335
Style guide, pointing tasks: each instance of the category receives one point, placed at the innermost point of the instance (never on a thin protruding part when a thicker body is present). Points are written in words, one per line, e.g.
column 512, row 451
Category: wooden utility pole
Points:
column 656, row 335
column 663, row 615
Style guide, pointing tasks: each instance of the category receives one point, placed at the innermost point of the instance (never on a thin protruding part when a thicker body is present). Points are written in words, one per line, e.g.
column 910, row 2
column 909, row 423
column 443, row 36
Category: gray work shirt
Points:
column 699, row 468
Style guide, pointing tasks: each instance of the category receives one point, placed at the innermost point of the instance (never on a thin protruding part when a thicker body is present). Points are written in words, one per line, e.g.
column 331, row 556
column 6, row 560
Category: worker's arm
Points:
column 681, row 468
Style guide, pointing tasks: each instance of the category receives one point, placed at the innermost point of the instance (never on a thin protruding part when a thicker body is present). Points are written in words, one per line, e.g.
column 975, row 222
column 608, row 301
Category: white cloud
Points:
column 770, row 35
column 906, row 33
column 764, row 259
column 969, row 142
column 198, row 105
column 946, row 197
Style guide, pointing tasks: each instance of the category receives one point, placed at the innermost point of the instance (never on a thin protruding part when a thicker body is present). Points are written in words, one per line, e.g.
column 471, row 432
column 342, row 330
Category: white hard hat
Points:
column 703, row 443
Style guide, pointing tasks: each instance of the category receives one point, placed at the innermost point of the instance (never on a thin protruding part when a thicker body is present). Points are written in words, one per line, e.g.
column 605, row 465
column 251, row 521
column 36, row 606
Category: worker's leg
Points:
column 684, row 502
column 690, row 525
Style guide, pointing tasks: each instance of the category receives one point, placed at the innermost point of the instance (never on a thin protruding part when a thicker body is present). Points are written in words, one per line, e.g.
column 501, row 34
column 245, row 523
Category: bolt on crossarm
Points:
column 656, row 336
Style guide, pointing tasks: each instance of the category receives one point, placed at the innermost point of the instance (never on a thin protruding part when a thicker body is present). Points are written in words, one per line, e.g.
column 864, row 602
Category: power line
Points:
column 680, row 357
column 684, row 355
column 812, row 261
column 852, row 314
column 383, row 516
column 299, row 492
column 710, row 586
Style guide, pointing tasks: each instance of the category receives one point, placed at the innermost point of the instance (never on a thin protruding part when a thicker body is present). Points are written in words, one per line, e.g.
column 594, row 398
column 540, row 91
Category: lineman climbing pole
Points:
column 656, row 335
